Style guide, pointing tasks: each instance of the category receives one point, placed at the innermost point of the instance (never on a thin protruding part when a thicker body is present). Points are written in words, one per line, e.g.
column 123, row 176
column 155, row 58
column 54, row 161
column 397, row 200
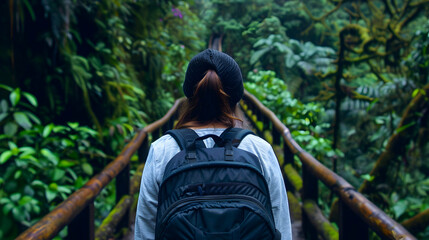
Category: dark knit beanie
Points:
column 226, row 68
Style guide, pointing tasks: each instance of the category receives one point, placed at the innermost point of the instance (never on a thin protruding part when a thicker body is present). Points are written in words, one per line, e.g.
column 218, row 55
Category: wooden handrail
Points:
column 361, row 206
column 64, row 213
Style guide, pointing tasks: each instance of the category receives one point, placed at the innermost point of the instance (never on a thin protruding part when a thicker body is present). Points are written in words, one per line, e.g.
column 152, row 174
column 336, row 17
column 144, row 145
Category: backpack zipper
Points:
column 231, row 197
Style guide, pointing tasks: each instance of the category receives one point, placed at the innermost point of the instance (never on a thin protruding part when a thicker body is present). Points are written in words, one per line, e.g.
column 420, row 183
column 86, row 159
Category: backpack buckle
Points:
column 191, row 156
column 229, row 155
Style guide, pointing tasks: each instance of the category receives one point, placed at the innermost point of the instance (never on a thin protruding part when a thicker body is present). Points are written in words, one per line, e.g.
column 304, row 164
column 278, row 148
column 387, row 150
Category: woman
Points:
column 213, row 87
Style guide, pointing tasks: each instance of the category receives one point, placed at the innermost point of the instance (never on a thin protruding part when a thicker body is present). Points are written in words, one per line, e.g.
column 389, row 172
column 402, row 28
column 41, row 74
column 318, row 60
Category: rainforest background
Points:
column 79, row 78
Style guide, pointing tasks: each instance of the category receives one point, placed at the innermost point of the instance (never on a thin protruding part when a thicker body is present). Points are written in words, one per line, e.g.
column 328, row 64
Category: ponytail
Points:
column 209, row 104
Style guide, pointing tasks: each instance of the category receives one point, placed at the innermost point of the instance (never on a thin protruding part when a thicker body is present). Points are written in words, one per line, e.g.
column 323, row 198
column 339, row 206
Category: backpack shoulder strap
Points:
column 184, row 137
column 235, row 135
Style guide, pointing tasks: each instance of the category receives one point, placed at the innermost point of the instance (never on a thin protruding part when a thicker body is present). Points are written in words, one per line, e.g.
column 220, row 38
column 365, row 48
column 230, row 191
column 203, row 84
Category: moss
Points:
column 107, row 227
column 330, row 230
column 356, row 35
column 279, row 153
column 294, row 207
column 323, row 226
column 254, row 118
column 293, row 177
column 268, row 136
column 259, row 125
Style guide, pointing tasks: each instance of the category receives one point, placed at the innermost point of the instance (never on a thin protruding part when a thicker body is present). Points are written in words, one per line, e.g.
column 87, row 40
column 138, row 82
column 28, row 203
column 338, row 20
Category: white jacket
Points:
column 163, row 149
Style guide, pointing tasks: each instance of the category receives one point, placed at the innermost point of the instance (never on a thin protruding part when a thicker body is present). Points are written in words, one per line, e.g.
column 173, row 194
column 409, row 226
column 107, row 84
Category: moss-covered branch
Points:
column 390, row 8
column 108, row 226
column 320, row 19
column 377, row 73
column 324, row 16
column 417, row 223
column 397, row 142
column 323, row 226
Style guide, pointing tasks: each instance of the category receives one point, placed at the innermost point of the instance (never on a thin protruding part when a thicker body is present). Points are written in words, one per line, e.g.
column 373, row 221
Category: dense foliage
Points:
column 79, row 77
column 365, row 65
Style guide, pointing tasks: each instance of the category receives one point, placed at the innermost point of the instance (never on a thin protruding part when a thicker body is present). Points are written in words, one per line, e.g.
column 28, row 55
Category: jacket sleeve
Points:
column 278, row 196
column 148, row 200
column 273, row 175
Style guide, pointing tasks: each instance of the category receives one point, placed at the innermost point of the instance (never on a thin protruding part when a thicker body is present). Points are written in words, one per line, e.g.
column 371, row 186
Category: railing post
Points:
column 165, row 128
column 122, row 189
column 82, row 226
column 266, row 122
column 143, row 150
column 171, row 121
column 276, row 136
column 287, row 159
column 288, row 154
column 155, row 134
column 309, row 191
column 351, row 226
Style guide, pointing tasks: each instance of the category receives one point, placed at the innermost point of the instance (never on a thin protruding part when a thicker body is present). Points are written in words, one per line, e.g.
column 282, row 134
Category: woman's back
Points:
column 165, row 148
column 213, row 87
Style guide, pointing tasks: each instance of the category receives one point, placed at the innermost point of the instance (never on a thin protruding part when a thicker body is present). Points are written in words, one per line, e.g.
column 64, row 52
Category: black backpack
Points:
column 214, row 193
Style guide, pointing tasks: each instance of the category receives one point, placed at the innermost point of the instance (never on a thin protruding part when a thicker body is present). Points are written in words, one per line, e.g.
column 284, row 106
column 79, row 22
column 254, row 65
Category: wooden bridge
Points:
column 356, row 214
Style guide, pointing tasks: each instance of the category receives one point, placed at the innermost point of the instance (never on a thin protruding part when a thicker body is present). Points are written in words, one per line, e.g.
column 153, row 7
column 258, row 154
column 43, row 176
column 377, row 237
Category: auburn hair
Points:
column 208, row 105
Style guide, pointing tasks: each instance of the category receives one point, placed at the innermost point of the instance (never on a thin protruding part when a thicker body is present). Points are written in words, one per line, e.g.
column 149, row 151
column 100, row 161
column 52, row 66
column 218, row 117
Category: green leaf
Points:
column 47, row 130
column 28, row 190
column 18, row 214
column 64, row 189
column 38, row 183
column 6, row 87
column 10, row 129
column 7, row 208
column 415, row 92
column 5, row 156
column 73, row 125
column 17, row 174
column 3, row 116
column 12, row 145
column 25, row 151
column 398, row 130
column 58, row 174
column 371, row 105
column 31, row 98
column 400, row 208
column 30, row 10
column 59, row 129
column 66, row 163
column 367, row 177
column 24, row 200
column 258, row 54
column 87, row 168
column 22, row 120
column 50, row 156
column 33, row 117
column 50, row 195
column 15, row 197
column 4, row 106
column 53, row 186
column 15, row 96
column 67, row 143
column 88, row 130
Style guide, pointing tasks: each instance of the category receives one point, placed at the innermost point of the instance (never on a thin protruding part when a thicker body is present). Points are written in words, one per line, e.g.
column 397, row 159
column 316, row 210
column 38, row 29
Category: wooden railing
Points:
column 356, row 213
column 77, row 211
